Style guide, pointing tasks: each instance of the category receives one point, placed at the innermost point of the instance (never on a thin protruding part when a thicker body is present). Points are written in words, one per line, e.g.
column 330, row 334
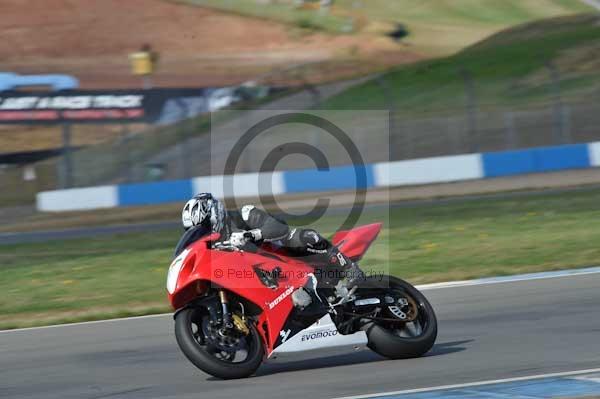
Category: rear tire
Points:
column 205, row 361
column 390, row 345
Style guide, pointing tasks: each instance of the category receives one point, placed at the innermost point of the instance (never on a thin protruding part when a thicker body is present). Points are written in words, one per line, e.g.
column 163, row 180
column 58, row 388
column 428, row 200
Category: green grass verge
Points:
column 124, row 274
column 508, row 69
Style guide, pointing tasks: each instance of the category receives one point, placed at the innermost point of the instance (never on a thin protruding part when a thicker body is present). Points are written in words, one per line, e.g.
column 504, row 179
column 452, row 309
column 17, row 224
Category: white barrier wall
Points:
column 244, row 185
column 594, row 153
column 77, row 199
column 428, row 170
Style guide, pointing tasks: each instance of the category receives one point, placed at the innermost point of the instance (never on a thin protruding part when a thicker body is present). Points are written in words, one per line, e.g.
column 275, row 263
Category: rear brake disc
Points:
column 405, row 309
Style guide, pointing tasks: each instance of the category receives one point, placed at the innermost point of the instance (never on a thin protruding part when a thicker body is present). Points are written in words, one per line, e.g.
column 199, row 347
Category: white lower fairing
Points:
column 321, row 335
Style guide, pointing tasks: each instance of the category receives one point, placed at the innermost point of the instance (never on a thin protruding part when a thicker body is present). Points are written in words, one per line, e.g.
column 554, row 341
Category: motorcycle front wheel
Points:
column 222, row 353
column 410, row 326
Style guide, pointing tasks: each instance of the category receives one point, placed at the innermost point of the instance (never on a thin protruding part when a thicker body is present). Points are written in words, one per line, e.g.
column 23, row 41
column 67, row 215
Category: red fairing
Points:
column 354, row 243
column 198, row 268
column 235, row 272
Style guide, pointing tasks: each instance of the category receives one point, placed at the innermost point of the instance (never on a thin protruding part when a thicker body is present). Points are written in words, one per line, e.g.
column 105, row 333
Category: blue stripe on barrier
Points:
column 574, row 156
column 336, row 178
column 155, row 193
column 507, row 163
column 535, row 160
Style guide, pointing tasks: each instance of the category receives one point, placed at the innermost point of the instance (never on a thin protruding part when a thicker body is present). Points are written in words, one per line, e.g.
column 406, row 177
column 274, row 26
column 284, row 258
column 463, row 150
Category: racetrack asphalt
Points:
column 486, row 332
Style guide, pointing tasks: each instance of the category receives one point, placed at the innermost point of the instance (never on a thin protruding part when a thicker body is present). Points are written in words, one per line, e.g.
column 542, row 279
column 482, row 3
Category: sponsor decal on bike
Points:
column 284, row 335
column 341, row 258
column 281, row 297
column 319, row 334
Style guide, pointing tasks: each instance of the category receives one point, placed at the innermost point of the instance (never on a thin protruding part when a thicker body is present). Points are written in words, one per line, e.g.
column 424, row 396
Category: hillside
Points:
column 220, row 45
column 530, row 86
column 510, row 68
column 435, row 27
column 211, row 46
column 198, row 46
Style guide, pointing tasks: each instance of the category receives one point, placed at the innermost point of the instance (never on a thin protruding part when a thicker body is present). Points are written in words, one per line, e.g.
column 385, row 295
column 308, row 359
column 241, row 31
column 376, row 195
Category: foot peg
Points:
column 343, row 293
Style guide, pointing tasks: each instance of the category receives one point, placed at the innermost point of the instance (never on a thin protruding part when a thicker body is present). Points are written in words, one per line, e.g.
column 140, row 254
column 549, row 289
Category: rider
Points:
column 251, row 224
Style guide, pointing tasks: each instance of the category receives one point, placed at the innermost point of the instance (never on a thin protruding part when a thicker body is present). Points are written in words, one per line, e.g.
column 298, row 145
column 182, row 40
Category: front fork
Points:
column 227, row 319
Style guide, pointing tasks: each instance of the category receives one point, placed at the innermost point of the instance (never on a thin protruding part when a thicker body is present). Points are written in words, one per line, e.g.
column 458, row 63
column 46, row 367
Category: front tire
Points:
column 202, row 354
column 389, row 341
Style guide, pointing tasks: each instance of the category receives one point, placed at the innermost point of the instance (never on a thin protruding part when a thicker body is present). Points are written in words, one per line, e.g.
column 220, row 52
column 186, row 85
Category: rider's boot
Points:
column 351, row 275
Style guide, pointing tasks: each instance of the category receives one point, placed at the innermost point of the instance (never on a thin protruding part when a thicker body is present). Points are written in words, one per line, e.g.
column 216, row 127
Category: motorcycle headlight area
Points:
column 174, row 270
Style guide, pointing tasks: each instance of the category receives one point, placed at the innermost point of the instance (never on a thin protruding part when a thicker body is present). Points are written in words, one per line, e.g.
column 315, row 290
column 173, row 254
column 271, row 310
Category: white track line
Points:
column 473, row 384
column 450, row 284
column 82, row 323
column 512, row 279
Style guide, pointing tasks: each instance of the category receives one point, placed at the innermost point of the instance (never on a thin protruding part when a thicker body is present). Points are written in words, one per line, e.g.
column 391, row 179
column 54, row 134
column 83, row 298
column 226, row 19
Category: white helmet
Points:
column 204, row 210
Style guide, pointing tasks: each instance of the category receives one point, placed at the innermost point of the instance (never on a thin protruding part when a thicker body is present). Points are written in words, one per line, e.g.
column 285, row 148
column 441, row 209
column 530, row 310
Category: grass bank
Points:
column 511, row 68
column 435, row 27
column 120, row 275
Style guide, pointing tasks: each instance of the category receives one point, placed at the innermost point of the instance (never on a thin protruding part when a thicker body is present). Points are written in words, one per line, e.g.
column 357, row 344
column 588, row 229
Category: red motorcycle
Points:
column 234, row 308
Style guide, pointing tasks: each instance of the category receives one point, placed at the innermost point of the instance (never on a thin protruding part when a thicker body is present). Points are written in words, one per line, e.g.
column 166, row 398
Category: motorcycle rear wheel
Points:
column 388, row 340
column 190, row 332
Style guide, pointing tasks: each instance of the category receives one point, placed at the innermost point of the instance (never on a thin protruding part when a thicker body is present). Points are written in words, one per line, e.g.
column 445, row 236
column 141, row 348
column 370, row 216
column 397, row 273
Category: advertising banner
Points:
column 100, row 106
